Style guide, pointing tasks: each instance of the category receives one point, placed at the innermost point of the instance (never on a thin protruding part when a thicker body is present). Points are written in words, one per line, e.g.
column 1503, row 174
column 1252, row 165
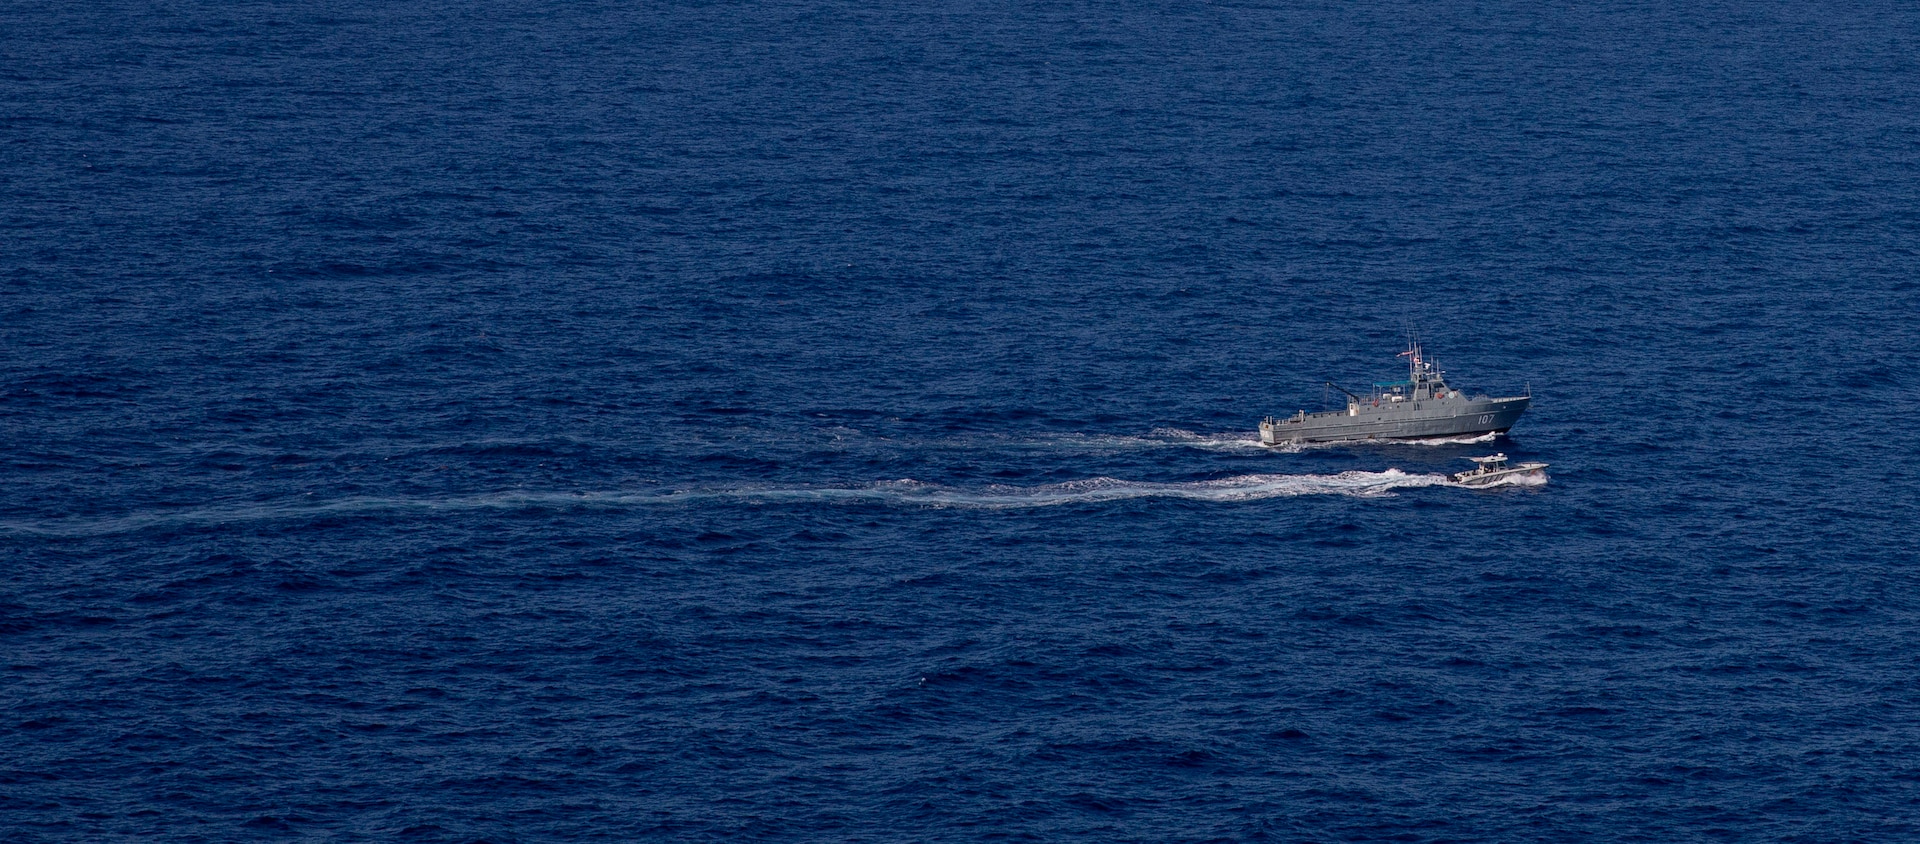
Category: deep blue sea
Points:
column 823, row 421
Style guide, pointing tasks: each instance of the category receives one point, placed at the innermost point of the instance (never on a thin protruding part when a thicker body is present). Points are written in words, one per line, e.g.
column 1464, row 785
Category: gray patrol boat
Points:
column 1421, row 407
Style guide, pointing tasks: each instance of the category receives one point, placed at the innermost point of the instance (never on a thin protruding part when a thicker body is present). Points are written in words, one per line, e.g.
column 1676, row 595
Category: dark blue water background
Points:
column 814, row 421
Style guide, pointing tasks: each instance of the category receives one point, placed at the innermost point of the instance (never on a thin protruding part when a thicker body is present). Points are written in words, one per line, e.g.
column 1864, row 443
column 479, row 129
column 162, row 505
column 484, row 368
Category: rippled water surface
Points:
column 813, row 421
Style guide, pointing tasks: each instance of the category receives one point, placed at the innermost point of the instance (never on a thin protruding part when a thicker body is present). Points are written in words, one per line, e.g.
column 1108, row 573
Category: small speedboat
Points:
column 1494, row 469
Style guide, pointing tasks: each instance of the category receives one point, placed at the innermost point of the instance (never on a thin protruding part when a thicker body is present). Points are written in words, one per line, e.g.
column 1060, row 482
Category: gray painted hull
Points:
column 1404, row 420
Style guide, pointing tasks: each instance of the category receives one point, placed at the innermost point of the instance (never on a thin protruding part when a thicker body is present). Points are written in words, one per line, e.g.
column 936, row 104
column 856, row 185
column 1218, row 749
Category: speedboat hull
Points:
column 1489, row 477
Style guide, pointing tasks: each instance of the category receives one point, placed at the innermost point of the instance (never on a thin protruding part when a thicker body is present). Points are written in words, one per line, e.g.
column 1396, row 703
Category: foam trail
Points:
column 903, row 492
column 1159, row 438
column 1295, row 448
column 1473, row 440
column 1099, row 490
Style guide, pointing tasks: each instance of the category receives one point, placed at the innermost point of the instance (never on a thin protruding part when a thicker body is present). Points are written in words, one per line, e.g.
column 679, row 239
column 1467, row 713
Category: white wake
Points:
column 906, row 492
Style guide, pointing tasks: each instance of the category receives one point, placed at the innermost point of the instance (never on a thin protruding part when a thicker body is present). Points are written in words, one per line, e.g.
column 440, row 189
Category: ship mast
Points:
column 1413, row 369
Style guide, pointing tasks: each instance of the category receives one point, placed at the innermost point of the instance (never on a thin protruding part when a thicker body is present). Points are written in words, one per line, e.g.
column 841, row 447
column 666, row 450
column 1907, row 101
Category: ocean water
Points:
column 835, row 422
